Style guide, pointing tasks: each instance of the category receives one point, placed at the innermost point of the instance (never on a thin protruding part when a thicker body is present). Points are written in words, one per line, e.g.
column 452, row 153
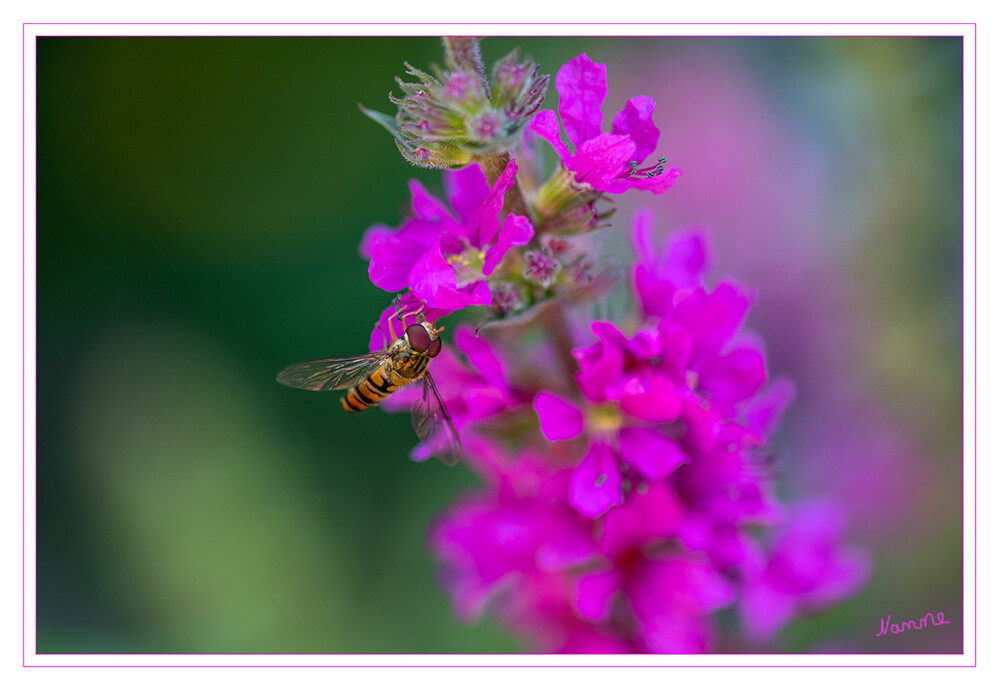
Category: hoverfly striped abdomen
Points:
column 380, row 384
column 407, row 363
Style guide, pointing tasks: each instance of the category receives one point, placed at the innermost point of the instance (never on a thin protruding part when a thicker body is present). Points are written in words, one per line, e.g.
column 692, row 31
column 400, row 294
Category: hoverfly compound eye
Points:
column 435, row 347
column 418, row 337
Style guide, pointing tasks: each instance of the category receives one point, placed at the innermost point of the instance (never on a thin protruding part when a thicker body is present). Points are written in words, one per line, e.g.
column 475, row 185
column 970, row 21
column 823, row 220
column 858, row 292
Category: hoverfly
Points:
column 373, row 377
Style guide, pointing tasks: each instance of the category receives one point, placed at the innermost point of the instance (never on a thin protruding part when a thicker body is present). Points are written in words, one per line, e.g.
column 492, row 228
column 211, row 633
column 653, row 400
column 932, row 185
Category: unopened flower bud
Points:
column 542, row 269
column 517, row 87
column 453, row 115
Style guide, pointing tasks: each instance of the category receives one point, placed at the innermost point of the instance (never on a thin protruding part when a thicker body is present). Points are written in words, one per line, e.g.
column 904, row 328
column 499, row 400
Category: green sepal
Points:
column 386, row 121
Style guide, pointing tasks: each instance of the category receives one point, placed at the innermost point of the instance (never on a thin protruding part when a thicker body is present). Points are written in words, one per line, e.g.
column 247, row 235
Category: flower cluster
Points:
column 628, row 496
column 630, row 518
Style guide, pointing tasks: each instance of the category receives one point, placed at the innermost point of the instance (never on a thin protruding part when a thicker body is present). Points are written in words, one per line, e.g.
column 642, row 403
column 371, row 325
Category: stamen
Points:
column 650, row 171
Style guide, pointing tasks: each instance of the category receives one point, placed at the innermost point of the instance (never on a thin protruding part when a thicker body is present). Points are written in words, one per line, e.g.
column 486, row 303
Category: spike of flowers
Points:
column 629, row 518
column 625, row 502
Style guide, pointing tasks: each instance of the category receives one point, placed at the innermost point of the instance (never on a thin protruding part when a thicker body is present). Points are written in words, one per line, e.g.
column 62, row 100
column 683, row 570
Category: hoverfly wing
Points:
column 331, row 373
column 433, row 424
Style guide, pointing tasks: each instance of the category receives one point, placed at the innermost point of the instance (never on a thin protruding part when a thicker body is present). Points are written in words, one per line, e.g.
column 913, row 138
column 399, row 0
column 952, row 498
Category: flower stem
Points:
column 554, row 322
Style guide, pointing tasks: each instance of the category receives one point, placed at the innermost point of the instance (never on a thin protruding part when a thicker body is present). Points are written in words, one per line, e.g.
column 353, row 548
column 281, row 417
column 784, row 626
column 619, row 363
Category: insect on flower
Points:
column 373, row 377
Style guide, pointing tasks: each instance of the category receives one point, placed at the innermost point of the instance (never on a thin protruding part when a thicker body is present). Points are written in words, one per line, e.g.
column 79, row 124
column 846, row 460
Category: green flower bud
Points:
column 446, row 118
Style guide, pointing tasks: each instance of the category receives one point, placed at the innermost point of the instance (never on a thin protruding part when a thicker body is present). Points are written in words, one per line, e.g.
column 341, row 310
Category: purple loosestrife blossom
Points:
column 607, row 162
column 805, row 571
column 444, row 255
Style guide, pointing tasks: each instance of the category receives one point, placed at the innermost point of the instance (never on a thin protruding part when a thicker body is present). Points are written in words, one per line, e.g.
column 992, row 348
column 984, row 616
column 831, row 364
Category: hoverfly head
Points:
column 423, row 338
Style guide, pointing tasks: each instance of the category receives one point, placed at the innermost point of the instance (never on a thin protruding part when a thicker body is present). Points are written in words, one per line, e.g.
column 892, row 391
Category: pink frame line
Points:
column 974, row 238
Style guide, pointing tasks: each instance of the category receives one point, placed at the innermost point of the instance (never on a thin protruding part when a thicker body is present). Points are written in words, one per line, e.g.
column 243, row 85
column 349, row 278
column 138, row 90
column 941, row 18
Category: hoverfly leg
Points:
column 379, row 326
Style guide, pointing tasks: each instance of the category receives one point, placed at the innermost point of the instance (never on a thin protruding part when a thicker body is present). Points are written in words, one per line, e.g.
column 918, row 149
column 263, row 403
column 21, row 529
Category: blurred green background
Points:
column 200, row 204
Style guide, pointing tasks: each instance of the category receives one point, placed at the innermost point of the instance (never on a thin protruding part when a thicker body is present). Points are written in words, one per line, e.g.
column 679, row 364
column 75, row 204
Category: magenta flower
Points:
column 625, row 403
column 608, row 162
column 807, row 570
column 444, row 255
column 630, row 528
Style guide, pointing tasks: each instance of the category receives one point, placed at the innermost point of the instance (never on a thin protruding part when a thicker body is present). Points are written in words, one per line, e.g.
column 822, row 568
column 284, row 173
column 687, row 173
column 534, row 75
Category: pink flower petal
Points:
column 475, row 294
column 429, row 208
column 648, row 516
column 636, row 121
column 685, row 258
column 595, row 486
column 545, row 125
column 676, row 347
column 566, row 546
column 654, row 455
column 670, row 599
column 764, row 611
column 374, row 234
column 393, row 255
column 655, row 294
column 516, row 232
column 652, row 399
column 481, row 356
column 643, row 238
column 582, row 88
column 599, row 161
column 736, row 375
column 560, row 419
column 483, row 224
column 703, row 425
column 595, row 595
column 466, row 189
column 601, row 364
column 712, row 319
column 432, row 281
column 764, row 412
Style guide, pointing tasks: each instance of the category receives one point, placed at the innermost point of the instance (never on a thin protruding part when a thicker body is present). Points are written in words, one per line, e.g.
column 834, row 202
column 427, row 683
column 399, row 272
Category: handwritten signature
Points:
column 924, row 622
